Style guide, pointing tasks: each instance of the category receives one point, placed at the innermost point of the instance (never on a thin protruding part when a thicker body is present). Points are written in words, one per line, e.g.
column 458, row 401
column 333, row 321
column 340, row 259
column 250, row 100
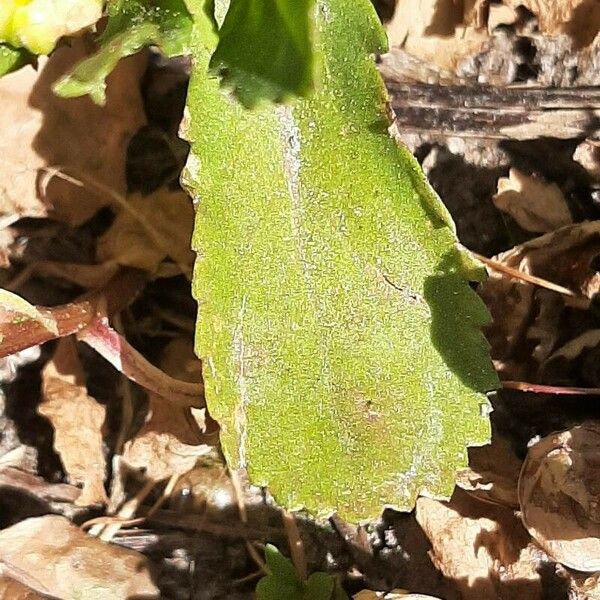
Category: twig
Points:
column 126, row 513
column 236, row 530
column 166, row 494
column 257, row 558
column 126, row 403
column 485, row 111
column 83, row 180
column 239, row 495
column 295, row 543
column 498, row 266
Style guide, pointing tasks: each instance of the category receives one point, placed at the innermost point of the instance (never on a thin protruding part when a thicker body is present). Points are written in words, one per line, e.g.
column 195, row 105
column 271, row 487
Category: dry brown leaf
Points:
column 41, row 130
column 585, row 586
column 77, row 420
column 10, row 477
column 57, row 558
column 535, row 205
column 11, row 589
column 578, row 18
column 85, row 275
column 155, row 227
column 171, row 441
column 559, row 492
column 526, row 319
column 571, row 354
column 483, row 548
column 439, row 32
column 587, row 154
column 7, row 237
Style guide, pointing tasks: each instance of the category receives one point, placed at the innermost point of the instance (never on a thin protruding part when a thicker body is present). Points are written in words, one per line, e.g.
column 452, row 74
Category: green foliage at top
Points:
column 132, row 24
column 341, row 344
column 284, row 583
column 265, row 49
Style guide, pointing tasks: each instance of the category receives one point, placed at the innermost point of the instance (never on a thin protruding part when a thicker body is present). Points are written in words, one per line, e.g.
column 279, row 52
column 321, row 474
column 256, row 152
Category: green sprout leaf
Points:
column 283, row 582
column 12, row 59
column 265, row 49
column 340, row 340
column 132, row 25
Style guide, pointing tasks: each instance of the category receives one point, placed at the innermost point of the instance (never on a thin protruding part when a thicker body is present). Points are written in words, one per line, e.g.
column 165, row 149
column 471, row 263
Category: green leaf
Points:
column 341, row 344
column 265, row 49
column 132, row 25
column 12, row 59
column 283, row 582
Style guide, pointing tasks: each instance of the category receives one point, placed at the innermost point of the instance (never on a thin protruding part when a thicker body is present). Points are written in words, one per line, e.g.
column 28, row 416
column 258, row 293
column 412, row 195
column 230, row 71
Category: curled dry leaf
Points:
column 77, row 420
column 484, row 549
column 527, row 321
column 439, row 32
column 59, row 559
column 577, row 356
column 172, row 439
column 41, row 130
column 493, row 473
column 535, row 205
column 150, row 228
column 587, row 154
column 559, row 492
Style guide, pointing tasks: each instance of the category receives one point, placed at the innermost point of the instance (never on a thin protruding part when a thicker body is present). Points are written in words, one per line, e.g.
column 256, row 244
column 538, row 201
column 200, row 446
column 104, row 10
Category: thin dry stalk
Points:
column 295, row 543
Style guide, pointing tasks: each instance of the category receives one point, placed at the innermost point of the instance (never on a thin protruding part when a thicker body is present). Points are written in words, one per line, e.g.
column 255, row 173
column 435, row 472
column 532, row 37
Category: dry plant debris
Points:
column 578, row 18
column 440, row 32
column 530, row 323
column 61, row 560
column 535, row 205
column 77, row 420
column 393, row 595
column 171, row 440
column 15, row 590
column 41, row 130
column 446, row 34
column 559, row 494
column 152, row 228
column 483, row 548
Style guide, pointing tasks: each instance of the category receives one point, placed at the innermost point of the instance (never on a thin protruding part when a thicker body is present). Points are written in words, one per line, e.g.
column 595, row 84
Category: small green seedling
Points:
column 283, row 582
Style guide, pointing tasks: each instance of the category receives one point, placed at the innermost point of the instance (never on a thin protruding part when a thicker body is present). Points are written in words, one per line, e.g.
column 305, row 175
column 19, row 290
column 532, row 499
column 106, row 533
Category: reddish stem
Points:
column 120, row 354
column 73, row 317
column 539, row 388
